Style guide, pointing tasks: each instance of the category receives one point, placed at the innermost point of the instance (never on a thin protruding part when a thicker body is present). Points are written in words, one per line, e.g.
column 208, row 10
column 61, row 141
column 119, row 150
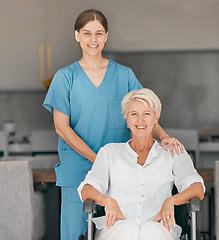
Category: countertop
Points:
column 48, row 175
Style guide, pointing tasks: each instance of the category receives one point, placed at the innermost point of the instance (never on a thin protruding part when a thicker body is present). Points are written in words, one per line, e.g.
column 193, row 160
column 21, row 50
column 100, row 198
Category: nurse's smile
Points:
column 93, row 46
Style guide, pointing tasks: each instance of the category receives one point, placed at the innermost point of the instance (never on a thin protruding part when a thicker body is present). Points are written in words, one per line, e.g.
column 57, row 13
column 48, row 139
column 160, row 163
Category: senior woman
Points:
column 134, row 180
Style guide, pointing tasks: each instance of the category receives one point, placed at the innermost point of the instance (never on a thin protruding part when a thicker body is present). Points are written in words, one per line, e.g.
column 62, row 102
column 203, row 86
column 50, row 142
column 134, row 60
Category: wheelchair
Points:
column 185, row 216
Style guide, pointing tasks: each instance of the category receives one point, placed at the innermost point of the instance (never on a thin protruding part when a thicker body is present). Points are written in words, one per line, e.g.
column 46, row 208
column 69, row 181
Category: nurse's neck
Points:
column 93, row 62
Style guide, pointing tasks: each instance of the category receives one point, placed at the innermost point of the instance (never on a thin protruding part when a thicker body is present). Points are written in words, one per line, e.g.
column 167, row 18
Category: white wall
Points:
column 163, row 25
column 141, row 25
column 158, row 24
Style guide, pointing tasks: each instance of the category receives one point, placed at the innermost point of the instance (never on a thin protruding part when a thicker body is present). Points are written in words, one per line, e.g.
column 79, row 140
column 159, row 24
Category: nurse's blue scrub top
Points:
column 95, row 113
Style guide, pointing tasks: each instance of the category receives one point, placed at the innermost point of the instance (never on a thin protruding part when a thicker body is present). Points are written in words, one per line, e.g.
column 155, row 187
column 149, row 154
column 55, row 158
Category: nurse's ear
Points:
column 106, row 37
column 76, row 36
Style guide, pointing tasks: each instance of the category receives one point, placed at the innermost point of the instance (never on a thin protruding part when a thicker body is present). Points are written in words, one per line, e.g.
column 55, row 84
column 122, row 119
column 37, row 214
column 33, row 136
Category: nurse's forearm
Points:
column 75, row 142
column 64, row 130
column 159, row 133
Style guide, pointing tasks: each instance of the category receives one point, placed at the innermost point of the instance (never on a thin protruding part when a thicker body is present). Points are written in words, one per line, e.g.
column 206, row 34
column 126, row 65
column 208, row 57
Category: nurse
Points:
column 85, row 100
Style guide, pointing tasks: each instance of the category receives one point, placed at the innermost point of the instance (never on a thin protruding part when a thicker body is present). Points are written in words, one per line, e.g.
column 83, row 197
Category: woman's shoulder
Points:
column 113, row 146
column 119, row 66
column 125, row 75
column 167, row 155
column 70, row 69
column 160, row 151
column 67, row 73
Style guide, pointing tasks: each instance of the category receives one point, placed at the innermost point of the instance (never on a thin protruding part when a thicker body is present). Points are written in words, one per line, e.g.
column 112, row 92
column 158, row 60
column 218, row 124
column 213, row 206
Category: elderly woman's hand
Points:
column 166, row 214
column 171, row 143
column 113, row 212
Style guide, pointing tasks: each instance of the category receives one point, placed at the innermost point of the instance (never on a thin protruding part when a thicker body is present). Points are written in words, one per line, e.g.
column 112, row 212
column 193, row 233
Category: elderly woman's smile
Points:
column 141, row 127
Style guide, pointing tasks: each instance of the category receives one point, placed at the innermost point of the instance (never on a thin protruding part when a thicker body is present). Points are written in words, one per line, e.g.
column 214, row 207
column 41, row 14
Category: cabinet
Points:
column 22, row 24
column 209, row 153
column 27, row 26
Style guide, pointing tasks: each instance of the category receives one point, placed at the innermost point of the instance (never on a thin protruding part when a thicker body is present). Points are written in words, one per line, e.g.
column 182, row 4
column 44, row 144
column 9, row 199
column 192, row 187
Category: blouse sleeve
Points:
column 58, row 94
column 184, row 172
column 98, row 176
column 134, row 84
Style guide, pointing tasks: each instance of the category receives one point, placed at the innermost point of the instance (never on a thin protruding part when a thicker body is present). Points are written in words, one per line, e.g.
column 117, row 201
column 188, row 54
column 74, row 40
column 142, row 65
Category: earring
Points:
column 155, row 125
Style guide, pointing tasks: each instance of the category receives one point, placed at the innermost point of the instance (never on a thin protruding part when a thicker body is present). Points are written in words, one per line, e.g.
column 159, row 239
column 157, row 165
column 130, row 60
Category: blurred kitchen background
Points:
column 172, row 47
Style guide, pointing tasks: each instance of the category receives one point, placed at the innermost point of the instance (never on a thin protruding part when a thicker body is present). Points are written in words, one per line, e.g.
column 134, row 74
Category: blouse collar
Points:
column 152, row 154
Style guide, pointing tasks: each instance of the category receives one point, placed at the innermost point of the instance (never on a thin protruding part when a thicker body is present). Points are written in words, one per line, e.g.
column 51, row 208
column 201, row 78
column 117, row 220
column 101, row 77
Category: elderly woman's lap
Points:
column 130, row 230
column 122, row 229
column 153, row 231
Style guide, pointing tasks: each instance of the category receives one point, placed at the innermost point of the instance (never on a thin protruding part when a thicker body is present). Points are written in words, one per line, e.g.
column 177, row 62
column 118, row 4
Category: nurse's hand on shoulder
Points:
column 172, row 143
column 113, row 212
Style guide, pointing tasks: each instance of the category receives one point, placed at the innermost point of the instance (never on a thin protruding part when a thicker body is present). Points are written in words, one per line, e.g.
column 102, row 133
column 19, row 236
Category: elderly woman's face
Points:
column 141, row 118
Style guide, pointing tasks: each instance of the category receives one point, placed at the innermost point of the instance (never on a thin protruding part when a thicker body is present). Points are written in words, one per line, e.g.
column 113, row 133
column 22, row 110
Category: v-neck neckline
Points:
column 91, row 83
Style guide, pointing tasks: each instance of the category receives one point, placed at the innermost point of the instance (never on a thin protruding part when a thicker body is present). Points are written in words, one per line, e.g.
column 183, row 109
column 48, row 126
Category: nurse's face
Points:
column 141, row 119
column 92, row 38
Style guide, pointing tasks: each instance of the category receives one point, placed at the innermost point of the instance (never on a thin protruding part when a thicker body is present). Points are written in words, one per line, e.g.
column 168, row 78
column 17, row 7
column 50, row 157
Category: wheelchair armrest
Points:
column 194, row 205
column 88, row 206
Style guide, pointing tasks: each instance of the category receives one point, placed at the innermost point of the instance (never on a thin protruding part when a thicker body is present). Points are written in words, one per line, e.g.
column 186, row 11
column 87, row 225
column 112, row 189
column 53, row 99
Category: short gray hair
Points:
column 142, row 95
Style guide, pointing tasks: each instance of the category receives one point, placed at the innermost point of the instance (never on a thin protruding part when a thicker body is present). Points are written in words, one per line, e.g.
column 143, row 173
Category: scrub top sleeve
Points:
column 134, row 84
column 58, row 95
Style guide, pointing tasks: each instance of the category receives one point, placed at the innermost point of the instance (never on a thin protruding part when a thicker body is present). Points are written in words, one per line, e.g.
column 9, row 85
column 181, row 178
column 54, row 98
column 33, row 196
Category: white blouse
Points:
column 140, row 190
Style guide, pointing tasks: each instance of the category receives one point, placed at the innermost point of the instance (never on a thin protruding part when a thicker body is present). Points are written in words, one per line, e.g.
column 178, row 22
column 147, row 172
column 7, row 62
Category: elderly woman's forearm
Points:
column 194, row 191
column 88, row 192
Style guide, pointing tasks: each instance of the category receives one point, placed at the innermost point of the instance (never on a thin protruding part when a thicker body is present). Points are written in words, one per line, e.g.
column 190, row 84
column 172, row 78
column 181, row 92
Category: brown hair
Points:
column 88, row 16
